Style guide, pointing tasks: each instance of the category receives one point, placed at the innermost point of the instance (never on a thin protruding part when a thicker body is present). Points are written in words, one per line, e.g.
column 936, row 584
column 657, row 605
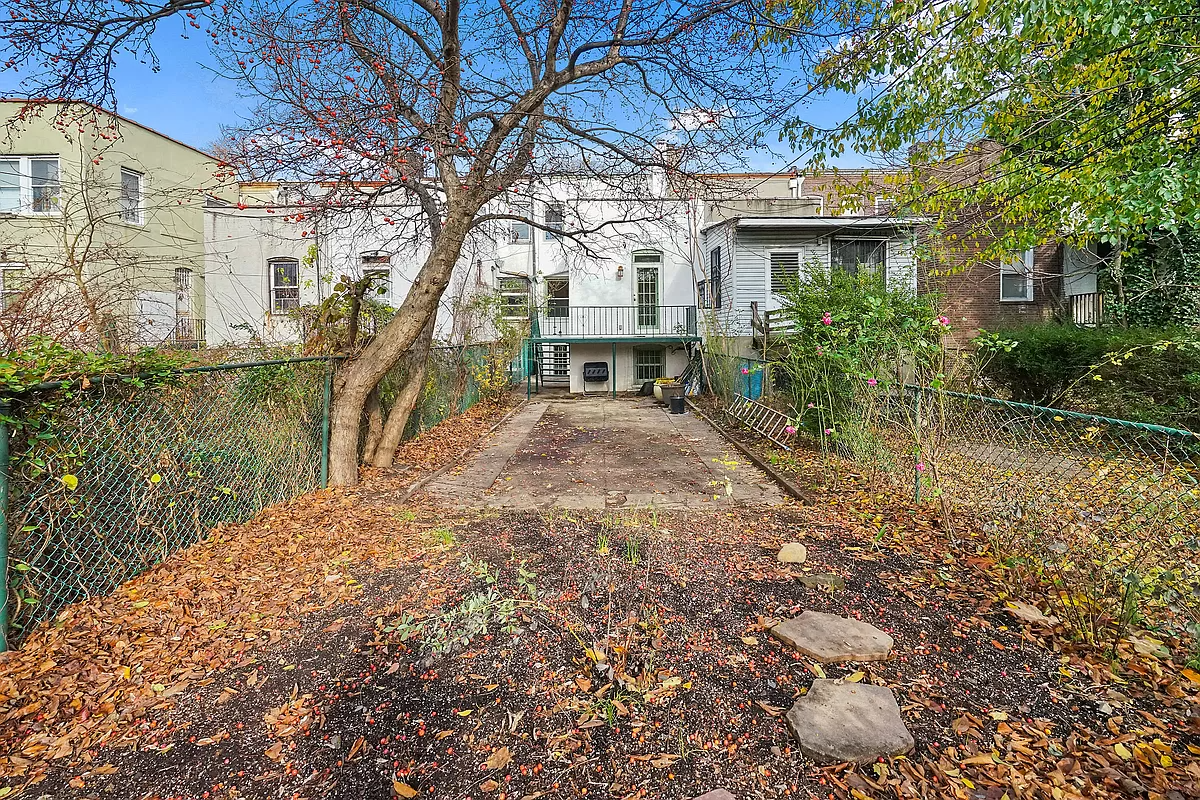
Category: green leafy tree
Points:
column 1073, row 119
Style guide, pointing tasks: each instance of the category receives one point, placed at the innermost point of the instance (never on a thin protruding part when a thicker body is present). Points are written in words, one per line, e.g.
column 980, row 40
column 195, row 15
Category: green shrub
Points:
column 852, row 340
column 1141, row 374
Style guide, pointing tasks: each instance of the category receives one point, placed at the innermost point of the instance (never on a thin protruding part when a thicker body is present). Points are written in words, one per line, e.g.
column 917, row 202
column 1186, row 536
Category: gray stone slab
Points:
column 715, row 794
column 837, row 722
column 829, row 638
column 822, row 580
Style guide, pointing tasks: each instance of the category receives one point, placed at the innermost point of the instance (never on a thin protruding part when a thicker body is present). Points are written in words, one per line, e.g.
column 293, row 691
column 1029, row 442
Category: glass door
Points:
column 646, row 276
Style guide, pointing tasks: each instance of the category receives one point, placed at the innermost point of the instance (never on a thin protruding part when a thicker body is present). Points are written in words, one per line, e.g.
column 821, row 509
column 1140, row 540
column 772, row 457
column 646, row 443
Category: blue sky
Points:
column 185, row 100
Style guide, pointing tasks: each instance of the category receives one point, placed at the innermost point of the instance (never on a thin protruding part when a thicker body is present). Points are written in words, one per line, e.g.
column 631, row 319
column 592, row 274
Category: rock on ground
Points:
column 829, row 638
column 793, row 553
column 821, row 580
column 838, row 722
column 715, row 794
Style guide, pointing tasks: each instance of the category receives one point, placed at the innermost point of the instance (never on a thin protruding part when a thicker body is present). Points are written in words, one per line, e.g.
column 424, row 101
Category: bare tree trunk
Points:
column 374, row 426
column 356, row 380
column 397, row 421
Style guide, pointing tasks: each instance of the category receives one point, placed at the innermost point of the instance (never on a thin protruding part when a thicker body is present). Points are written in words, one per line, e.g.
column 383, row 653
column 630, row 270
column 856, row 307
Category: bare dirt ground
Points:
column 486, row 640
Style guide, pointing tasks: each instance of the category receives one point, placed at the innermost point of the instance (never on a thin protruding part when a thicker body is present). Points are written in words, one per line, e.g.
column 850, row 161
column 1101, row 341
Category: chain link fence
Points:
column 105, row 479
column 102, row 480
column 1100, row 515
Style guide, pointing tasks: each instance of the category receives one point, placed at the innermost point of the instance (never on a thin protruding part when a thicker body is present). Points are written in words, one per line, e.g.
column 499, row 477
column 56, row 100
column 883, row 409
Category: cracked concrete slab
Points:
column 602, row 453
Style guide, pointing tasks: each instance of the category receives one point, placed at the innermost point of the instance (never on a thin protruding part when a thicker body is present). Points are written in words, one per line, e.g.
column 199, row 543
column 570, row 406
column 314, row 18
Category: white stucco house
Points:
column 618, row 297
column 263, row 263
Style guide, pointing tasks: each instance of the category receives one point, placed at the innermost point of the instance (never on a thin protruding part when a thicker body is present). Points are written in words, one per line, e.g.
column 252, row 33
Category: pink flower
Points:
column 920, row 466
column 872, row 382
column 943, row 321
column 820, row 350
column 812, row 405
column 827, row 319
column 790, row 430
column 745, row 370
column 829, row 431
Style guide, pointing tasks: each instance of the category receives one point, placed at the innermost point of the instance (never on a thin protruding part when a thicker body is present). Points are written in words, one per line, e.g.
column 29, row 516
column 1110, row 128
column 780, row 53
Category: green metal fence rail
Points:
column 102, row 479
column 1015, row 464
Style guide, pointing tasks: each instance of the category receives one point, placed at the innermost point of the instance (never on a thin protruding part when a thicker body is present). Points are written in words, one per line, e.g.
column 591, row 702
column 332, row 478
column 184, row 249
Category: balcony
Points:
column 1086, row 310
column 562, row 323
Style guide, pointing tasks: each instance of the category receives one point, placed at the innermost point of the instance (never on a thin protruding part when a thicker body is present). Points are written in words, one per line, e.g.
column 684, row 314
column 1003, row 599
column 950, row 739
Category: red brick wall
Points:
column 968, row 288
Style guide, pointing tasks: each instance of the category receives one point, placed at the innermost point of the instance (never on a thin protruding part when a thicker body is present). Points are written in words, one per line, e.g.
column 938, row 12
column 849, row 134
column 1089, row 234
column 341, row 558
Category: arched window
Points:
column 285, row 284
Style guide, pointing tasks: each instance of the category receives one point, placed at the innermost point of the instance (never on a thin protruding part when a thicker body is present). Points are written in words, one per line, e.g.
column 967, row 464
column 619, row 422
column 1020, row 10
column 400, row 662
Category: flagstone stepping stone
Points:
column 793, row 553
column 829, row 638
column 822, row 580
column 715, row 794
column 837, row 722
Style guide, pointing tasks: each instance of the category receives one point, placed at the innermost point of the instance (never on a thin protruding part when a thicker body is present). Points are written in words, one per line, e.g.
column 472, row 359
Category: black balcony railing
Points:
column 563, row 321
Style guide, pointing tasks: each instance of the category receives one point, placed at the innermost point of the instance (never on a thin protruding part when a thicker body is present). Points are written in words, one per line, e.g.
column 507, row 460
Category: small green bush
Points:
column 853, row 341
column 1141, row 374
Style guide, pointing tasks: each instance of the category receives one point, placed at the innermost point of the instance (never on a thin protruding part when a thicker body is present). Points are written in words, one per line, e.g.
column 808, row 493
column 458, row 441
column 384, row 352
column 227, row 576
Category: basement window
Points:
column 648, row 363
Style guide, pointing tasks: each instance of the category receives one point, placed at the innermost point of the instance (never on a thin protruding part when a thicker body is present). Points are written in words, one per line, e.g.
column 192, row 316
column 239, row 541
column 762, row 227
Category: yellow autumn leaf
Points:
column 403, row 789
column 70, row 481
column 1122, row 751
column 1165, row 760
column 1191, row 675
column 855, row 676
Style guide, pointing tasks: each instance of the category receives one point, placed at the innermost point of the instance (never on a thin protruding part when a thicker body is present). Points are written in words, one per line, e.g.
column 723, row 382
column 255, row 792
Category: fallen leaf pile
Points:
column 97, row 672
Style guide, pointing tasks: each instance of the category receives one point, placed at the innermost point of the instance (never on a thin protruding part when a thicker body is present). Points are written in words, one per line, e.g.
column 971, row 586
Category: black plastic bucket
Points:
column 677, row 404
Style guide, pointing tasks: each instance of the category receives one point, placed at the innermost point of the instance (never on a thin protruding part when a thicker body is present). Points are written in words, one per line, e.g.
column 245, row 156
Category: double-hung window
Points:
column 860, row 256
column 377, row 267
column 514, row 297
column 29, row 185
column 132, row 197
column 285, row 285
column 554, row 221
column 1016, row 278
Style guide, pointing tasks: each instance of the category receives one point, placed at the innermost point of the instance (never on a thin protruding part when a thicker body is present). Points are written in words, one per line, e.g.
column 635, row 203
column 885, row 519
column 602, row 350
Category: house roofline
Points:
column 42, row 102
column 816, row 222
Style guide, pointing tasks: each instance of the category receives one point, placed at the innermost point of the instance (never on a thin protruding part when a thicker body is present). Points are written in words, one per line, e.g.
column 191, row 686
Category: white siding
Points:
column 902, row 263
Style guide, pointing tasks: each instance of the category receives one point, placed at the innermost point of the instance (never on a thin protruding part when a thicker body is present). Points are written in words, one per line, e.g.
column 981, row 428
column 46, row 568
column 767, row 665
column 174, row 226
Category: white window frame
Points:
column 521, row 232
column 6, row 268
column 877, row 240
column 557, row 225
column 660, row 354
column 25, row 185
column 510, row 287
column 655, row 259
column 138, row 215
column 279, row 304
column 1020, row 264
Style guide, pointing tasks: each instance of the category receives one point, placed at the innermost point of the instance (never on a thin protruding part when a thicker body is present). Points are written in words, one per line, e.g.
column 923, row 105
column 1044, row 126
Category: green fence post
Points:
column 612, row 377
column 4, row 408
column 325, row 422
